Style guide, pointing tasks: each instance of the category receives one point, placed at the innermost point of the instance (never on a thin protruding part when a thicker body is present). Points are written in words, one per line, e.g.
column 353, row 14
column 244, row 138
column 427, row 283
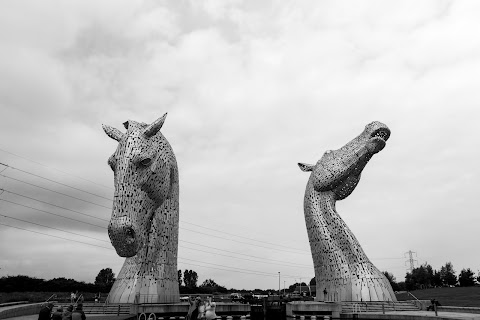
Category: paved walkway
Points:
column 16, row 306
column 449, row 315
column 89, row 317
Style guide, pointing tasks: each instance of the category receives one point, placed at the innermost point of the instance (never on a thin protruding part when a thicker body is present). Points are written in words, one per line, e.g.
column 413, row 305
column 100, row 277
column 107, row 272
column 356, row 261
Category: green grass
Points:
column 458, row 296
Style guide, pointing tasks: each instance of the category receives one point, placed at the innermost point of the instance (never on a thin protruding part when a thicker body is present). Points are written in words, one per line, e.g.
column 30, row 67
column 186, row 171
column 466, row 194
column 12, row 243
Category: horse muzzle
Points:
column 124, row 237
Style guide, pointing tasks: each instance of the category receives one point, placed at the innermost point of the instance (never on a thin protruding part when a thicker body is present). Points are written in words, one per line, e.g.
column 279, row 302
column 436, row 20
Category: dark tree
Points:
column 419, row 278
column 179, row 277
column 296, row 285
column 20, row 283
column 436, row 279
column 209, row 283
column 466, row 278
column 25, row 283
column 313, row 281
column 447, row 274
column 392, row 281
column 410, row 282
column 190, row 278
column 210, row 286
column 105, row 279
column 401, row 286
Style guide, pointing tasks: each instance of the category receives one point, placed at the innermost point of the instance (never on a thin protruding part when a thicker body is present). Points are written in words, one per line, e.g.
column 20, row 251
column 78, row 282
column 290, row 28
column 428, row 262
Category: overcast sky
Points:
column 251, row 88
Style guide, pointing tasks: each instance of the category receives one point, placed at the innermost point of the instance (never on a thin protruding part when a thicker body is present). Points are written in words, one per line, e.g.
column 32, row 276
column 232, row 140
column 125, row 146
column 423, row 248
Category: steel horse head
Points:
column 144, row 222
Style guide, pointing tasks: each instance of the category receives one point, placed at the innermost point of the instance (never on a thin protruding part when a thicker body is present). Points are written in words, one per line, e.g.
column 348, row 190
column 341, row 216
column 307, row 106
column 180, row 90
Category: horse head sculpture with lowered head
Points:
column 144, row 223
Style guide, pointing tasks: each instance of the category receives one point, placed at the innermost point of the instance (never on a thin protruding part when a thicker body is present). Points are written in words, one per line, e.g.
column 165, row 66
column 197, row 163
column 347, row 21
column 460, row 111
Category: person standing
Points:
column 192, row 310
column 67, row 314
column 210, row 309
column 57, row 315
column 201, row 310
column 45, row 312
column 78, row 314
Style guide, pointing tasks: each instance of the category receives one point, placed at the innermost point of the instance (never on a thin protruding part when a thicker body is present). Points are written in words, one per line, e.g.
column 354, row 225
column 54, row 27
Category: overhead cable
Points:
column 49, row 167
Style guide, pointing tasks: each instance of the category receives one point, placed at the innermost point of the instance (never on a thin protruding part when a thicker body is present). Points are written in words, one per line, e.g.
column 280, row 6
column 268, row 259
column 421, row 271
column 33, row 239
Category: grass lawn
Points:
column 458, row 296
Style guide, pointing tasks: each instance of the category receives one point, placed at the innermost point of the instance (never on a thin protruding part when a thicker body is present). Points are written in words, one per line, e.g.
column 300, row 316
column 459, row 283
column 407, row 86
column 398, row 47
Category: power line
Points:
column 250, row 244
column 273, row 244
column 253, row 271
column 60, row 183
column 78, row 177
column 71, row 232
column 241, row 254
column 230, row 269
column 55, row 214
column 181, row 228
column 64, row 172
column 224, row 255
column 210, row 267
column 41, row 225
column 91, row 216
column 179, row 240
column 50, row 235
column 54, row 205
column 8, row 166
column 63, row 194
column 72, row 187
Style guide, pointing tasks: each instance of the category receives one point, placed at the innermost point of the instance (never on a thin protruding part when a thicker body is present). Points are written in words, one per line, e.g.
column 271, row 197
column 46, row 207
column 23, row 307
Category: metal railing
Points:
column 357, row 307
column 408, row 292
column 53, row 296
column 79, row 299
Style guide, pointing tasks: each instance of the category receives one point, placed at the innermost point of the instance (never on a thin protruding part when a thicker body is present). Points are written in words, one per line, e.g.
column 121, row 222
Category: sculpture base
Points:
column 313, row 308
column 140, row 281
column 181, row 309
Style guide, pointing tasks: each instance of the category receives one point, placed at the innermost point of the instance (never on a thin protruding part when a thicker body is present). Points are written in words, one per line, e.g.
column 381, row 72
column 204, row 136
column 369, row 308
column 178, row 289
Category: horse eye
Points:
column 145, row 162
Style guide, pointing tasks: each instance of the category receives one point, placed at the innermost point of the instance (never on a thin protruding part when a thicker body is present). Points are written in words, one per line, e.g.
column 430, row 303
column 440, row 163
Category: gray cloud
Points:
column 251, row 89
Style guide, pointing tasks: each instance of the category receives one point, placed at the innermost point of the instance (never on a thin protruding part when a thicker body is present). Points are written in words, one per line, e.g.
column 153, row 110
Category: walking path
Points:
column 423, row 314
column 89, row 317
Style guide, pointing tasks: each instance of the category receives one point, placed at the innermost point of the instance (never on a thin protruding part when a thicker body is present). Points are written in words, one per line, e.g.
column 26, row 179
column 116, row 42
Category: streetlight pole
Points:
column 283, row 287
column 279, row 283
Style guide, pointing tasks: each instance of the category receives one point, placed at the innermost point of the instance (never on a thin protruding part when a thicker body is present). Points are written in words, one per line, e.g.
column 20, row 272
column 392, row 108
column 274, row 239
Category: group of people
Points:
column 201, row 310
column 61, row 314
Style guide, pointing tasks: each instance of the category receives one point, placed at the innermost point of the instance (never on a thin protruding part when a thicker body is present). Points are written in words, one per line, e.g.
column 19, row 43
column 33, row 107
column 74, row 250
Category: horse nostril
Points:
column 129, row 235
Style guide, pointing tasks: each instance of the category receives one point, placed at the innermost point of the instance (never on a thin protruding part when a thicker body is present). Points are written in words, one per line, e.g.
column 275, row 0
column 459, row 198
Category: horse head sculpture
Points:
column 144, row 223
column 343, row 271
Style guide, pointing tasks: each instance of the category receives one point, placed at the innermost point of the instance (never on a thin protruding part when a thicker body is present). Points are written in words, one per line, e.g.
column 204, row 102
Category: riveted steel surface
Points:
column 144, row 222
column 342, row 270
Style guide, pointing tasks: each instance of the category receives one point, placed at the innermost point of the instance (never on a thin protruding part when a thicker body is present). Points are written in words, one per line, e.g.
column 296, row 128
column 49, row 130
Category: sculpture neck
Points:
column 328, row 201
column 320, row 209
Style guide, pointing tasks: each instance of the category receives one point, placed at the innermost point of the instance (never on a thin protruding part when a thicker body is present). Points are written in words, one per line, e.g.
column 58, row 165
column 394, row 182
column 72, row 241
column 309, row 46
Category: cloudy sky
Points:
column 251, row 88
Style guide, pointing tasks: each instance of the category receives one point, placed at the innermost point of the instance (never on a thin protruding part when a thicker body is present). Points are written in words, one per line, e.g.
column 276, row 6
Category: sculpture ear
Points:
column 113, row 133
column 152, row 129
column 306, row 167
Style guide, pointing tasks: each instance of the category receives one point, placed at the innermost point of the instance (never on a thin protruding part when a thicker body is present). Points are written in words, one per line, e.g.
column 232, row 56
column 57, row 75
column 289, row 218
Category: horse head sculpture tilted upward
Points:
column 343, row 271
column 144, row 223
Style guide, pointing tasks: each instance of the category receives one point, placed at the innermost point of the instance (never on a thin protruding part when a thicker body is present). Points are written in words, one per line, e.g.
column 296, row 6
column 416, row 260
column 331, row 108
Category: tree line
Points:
column 20, row 283
column 424, row 277
column 188, row 284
